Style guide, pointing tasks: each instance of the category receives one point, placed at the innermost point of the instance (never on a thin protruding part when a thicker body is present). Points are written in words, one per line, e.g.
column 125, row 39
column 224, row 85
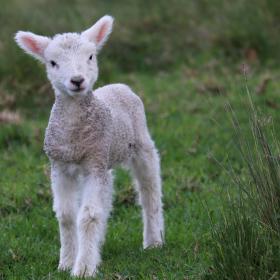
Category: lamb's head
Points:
column 70, row 58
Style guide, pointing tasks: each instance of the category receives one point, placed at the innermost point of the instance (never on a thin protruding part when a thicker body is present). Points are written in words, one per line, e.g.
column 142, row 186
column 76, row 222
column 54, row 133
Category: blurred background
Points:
column 149, row 36
column 186, row 59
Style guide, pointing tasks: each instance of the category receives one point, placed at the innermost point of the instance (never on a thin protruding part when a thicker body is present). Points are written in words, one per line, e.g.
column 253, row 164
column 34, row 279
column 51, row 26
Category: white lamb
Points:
column 90, row 133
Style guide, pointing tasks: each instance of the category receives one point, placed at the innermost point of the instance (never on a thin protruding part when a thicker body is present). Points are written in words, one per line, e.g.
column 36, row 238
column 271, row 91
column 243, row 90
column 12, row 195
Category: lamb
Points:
column 90, row 133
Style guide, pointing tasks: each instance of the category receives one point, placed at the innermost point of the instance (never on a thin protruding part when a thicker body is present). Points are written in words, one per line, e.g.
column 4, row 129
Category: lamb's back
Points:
column 119, row 97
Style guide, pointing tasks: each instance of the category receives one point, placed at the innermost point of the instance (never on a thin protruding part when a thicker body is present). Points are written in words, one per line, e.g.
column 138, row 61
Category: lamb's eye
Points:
column 91, row 57
column 53, row 63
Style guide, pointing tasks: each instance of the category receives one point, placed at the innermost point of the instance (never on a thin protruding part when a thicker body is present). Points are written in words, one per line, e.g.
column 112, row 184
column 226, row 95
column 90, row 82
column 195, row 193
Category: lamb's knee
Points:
column 65, row 218
column 89, row 216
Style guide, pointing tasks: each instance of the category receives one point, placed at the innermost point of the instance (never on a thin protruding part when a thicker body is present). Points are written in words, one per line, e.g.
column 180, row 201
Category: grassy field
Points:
column 185, row 83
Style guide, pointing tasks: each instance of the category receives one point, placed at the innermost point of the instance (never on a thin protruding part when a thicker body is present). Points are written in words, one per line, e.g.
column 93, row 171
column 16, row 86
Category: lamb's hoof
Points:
column 154, row 244
column 83, row 270
column 64, row 266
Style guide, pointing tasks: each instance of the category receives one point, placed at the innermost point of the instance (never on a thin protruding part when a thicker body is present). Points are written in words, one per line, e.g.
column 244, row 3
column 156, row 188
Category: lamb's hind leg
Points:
column 92, row 219
column 65, row 206
column 146, row 168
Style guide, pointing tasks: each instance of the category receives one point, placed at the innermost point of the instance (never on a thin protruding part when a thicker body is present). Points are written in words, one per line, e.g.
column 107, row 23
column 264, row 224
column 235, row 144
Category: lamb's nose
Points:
column 77, row 80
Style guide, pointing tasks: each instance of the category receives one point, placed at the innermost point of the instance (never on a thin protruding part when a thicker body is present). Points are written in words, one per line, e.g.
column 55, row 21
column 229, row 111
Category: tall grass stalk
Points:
column 246, row 243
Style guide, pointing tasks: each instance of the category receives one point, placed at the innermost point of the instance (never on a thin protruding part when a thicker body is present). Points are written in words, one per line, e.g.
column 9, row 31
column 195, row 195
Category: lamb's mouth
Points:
column 78, row 89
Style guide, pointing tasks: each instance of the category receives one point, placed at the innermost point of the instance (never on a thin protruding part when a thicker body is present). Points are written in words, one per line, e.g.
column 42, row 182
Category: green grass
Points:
column 247, row 239
column 189, row 128
column 184, row 61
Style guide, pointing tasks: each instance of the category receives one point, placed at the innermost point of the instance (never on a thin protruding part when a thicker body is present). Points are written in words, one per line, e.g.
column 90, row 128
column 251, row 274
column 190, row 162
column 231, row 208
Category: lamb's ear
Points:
column 33, row 44
column 100, row 31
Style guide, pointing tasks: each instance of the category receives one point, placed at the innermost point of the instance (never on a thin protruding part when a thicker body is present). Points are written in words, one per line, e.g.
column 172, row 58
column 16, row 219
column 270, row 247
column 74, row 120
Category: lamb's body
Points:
column 102, row 127
column 90, row 133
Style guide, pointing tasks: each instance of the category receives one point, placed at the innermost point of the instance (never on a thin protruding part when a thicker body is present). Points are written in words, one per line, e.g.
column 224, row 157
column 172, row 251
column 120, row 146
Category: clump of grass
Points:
column 13, row 134
column 246, row 242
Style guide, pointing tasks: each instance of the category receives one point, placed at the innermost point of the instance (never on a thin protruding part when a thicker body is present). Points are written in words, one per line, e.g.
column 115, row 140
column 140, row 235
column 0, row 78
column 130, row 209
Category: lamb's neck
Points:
column 74, row 102
column 74, row 109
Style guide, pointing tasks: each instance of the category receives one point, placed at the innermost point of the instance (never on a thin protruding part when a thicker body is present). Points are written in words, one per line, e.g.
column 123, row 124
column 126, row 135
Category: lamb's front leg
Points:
column 92, row 219
column 66, row 208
